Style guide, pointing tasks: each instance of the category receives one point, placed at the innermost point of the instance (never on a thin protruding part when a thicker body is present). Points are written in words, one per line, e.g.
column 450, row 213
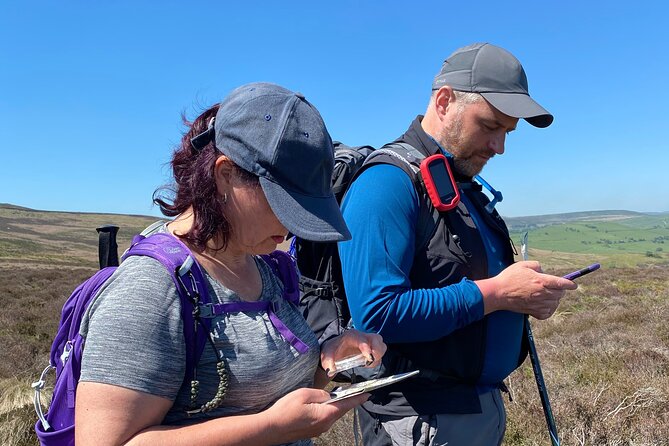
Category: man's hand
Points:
column 523, row 288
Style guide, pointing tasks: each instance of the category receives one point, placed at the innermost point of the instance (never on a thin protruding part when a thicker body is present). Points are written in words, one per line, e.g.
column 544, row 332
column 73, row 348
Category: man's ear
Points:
column 443, row 99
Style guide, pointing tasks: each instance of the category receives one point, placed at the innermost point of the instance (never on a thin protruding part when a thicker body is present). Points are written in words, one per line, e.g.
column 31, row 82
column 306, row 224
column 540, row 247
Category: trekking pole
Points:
column 536, row 367
column 107, row 247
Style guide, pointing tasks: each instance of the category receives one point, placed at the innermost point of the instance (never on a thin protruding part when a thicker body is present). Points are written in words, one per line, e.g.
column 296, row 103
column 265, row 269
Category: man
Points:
column 453, row 306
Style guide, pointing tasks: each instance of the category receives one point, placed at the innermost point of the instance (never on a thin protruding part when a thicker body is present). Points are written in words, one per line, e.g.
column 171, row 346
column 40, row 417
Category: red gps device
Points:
column 439, row 182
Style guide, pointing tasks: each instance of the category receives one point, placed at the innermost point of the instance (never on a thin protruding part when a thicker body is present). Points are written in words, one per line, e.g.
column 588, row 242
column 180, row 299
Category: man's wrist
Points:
column 489, row 289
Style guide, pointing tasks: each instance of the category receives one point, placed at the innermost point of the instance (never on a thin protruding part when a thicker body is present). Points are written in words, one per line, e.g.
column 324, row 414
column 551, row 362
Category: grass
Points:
column 605, row 359
column 31, row 304
column 606, row 364
column 604, row 354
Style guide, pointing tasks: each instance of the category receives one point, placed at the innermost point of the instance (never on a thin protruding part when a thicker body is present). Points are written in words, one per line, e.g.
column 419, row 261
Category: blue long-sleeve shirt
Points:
column 381, row 210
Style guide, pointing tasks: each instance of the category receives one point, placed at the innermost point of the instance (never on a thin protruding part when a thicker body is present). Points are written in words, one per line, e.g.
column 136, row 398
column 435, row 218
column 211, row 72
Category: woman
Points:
column 248, row 172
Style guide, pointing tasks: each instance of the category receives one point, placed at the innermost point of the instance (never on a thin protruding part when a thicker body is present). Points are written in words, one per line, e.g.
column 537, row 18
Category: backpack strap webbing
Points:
column 190, row 284
column 283, row 267
column 408, row 158
column 346, row 160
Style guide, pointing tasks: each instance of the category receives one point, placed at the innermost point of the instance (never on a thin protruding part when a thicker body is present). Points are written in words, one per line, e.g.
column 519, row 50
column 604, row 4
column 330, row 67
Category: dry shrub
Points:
column 606, row 365
column 604, row 354
column 14, row 395
column 341, row 433
column 16, row 427
column 17, row 415
column 32, row 300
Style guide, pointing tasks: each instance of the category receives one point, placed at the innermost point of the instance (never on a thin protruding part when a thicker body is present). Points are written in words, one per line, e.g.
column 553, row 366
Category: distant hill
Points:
column 538, row 221
column 621, row 238
column 63, row 239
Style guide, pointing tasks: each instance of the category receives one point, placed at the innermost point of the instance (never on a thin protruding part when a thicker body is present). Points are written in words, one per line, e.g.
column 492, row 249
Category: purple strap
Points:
column 286, row 333
column 172, row 253
column 236, row 307
column 283, row 266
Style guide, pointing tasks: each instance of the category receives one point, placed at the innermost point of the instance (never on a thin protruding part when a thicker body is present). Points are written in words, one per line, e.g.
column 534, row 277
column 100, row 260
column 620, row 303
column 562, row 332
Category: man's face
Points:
column 474, row 133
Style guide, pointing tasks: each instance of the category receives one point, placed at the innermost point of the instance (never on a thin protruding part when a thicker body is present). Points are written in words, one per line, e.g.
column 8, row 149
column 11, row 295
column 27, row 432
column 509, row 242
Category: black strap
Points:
column 408, row 158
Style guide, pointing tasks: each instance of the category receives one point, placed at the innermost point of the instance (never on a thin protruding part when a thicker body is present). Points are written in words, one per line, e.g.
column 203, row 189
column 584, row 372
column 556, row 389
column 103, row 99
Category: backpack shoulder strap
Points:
column 408, row 158
column 347, row 162
column 283, row 266
column 74, row 309
column 191, row 287
column 399, row 154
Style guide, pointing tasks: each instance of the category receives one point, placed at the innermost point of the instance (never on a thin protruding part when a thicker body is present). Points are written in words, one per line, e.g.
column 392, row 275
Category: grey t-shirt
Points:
column 134, row 339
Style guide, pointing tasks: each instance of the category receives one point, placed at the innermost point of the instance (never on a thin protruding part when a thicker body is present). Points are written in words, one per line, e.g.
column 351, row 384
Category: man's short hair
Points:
column 467, row 97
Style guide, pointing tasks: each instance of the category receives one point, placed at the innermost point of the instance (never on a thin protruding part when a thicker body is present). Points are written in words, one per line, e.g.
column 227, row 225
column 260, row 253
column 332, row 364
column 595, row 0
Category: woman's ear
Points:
column 223, row 169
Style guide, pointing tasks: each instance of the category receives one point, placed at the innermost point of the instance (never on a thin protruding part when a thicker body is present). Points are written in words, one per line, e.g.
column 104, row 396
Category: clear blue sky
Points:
column 91, row 92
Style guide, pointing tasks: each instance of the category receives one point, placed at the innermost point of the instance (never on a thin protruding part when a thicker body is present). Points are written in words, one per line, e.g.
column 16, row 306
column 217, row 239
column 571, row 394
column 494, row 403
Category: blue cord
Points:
column 497, row 195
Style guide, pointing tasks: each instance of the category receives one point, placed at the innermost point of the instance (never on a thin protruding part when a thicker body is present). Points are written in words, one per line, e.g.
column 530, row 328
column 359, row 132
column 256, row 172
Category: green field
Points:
column 613, row 240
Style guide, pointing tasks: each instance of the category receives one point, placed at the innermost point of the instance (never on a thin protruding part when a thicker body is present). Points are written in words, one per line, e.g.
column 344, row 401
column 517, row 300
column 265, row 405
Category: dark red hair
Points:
column 195, row 186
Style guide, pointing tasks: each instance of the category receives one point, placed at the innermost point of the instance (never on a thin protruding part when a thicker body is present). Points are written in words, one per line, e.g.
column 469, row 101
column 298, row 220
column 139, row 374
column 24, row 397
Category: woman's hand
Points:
column 352, row 343
column 302, row 414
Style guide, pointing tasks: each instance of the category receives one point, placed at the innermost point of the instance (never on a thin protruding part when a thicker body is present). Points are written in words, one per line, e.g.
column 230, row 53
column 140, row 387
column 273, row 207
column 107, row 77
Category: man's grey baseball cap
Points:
column 280, row 137
column 498, row 76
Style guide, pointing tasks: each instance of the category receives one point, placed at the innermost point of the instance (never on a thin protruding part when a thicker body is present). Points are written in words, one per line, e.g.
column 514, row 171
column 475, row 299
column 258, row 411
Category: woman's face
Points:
column 254, row 227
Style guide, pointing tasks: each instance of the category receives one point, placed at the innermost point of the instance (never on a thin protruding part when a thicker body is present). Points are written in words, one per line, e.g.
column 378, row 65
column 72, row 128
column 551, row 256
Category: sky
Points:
column 92, row 92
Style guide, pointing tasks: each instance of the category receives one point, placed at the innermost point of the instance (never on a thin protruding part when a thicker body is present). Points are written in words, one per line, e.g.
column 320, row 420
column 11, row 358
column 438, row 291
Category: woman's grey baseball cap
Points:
column 498, row 76
column 280, row 137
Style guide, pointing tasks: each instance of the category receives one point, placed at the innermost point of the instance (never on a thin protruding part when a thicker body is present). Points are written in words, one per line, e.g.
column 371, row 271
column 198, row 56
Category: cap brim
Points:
column 311, row 218
column 520, row 105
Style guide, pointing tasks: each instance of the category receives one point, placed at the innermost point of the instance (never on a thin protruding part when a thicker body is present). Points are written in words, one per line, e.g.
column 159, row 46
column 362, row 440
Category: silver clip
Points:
column 186, row 266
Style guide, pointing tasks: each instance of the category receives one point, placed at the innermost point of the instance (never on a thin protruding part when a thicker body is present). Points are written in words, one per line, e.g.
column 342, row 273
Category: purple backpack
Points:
column 56, row 428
